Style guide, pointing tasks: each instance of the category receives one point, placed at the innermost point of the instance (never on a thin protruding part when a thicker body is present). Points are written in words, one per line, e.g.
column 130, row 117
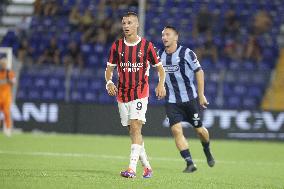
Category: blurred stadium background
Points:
column 60, row 50
column 59, row 53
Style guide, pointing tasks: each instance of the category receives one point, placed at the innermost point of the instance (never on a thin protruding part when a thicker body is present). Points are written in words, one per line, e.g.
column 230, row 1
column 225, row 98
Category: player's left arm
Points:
column 12, row 78
column 200, row 88
column 160, row 89
column 199, row 74
column 154, row 59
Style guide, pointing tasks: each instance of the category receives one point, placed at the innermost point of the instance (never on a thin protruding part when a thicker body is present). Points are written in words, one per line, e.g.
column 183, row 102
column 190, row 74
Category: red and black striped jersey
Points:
column 132, row 61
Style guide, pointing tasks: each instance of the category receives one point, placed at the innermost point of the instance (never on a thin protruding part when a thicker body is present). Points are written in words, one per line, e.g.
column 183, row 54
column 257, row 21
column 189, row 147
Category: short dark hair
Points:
column 172, row 28
column 130, row 14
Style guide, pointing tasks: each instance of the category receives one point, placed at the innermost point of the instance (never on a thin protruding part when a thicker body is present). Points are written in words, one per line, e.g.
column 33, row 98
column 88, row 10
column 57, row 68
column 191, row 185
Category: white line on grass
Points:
column 103, row 156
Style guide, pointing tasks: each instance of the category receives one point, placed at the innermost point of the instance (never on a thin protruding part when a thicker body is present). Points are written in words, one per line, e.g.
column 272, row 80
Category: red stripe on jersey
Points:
column 127, row 87
column 144, row 81
column 133, row 84
column 120, row 78
column 153, row 55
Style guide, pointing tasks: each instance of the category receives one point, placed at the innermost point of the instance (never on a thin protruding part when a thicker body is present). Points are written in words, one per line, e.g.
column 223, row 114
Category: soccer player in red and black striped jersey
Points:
column 132, row 56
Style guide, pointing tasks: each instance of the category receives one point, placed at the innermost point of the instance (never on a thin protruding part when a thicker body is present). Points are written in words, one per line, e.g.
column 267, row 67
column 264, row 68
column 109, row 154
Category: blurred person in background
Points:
column 203, row 21
column 233, row 47
column 25, row 52
column 262, row 23
column 73, row 57
column 86, row 20
column 7, row 80
column 51, row 53
column 207, row 48
column 74, row 18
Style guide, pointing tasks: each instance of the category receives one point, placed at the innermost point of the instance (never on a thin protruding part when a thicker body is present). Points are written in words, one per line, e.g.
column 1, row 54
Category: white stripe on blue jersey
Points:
column 180, row 68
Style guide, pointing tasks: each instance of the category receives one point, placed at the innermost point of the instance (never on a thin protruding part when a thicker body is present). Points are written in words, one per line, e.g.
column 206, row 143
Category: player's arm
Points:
column 154, row 59
column 160, row 89
column 111, row 64
column 193, row 62
column 110, row 87
column 200, row 88
column 12, row 78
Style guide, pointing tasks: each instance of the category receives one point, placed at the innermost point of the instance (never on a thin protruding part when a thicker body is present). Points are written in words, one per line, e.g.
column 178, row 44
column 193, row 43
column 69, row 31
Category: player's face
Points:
column 169, row 37
column 130, row 25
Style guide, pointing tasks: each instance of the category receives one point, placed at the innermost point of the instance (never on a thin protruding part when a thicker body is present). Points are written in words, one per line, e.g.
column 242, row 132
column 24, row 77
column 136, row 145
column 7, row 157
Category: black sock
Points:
column 205, row 145
column 185, row 154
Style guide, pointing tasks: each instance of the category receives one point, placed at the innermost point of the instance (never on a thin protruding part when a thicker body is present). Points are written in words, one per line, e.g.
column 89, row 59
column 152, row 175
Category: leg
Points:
column 143, row 156
column 135, row 131
column 182, row 145
column 7, row 128
column 194, row 119
column 145, row 163
column 135, row 117
column 203, row 134
column 181, row 142
column 136, row 147
column 137, row 143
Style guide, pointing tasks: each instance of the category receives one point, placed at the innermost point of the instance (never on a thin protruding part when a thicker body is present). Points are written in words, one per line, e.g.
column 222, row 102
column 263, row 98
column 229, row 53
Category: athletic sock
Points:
column 144, row 158
column 134, row 156
column 185, row 154
column 205, row 145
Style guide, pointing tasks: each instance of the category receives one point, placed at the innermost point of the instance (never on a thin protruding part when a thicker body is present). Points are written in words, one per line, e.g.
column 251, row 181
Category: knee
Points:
column 201, row 131
column 177, row 130
column 135, row 128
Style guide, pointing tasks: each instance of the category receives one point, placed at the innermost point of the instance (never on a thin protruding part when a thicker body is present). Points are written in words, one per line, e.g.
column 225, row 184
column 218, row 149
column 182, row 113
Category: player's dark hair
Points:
column 172, row 28
column 130, row 14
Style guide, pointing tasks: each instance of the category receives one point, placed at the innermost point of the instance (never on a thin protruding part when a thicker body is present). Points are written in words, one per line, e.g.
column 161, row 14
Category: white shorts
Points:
column 135, row 109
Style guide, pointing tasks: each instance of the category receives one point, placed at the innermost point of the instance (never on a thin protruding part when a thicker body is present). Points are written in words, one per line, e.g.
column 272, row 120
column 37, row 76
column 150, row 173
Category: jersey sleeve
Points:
column 153, row 56
column 192, row 60
column 113, row 56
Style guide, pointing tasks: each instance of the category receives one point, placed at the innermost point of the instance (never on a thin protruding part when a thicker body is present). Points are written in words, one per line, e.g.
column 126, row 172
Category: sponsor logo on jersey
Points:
column 131, row 67
column 171, row 68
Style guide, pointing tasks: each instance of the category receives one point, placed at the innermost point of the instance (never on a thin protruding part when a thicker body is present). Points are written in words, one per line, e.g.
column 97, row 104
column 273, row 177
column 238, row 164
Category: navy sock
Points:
column 205, row 145
column 185, row 154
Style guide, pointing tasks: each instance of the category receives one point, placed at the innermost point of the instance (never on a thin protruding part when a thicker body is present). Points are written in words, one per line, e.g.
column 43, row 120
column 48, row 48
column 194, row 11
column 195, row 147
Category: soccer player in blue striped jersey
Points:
column 181, row 66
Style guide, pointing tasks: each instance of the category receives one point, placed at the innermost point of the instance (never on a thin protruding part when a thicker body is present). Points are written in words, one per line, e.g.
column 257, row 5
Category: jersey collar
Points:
column 132, row 44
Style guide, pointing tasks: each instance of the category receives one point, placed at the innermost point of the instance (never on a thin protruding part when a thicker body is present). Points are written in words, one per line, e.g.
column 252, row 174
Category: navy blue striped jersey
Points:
column 180, row 68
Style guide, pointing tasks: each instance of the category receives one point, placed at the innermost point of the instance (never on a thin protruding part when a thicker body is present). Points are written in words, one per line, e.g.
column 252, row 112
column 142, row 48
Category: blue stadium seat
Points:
column 250, row 103
column 47, row 94
column 239, row 89
column 76, row 96
column 21, row 94
column 34, row 94
column 40, row 82
column 90, row 96
column 233, row 102
column 59, row 94
column 104, row 98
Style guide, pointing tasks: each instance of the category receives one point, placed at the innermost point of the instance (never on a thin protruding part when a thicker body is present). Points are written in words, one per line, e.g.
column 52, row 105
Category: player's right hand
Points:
column 111, row 89
column 203, row 101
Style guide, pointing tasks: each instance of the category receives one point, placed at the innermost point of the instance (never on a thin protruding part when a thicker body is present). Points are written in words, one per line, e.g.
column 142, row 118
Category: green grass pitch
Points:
column 93, row 161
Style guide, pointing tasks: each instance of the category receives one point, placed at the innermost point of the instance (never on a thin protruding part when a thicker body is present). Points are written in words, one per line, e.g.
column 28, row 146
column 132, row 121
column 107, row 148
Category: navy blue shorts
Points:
column 186, row 111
